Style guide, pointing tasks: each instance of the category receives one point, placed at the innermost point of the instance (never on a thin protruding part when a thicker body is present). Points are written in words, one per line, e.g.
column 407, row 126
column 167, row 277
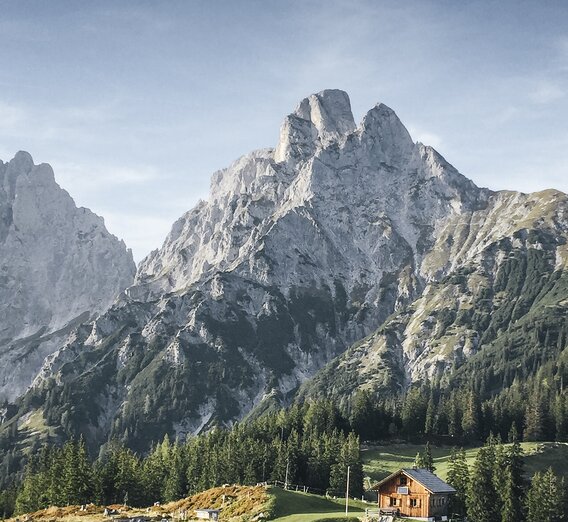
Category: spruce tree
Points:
column 471, row 419
column 545, row 500
column 458, row 478
column 349, row 456
column 428, row 458
column 511, row 484
column 482, row 499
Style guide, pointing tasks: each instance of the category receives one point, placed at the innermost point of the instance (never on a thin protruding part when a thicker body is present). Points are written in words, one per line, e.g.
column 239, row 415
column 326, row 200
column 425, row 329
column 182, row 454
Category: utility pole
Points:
column 286, row 481
column 347, row 493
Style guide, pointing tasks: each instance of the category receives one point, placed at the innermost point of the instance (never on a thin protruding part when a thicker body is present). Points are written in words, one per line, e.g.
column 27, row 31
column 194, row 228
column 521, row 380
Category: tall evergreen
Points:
column 546, row 498
column 471, row 420
column 428, row 458
column 511, row 484
column 458, row 477
column 482, row 499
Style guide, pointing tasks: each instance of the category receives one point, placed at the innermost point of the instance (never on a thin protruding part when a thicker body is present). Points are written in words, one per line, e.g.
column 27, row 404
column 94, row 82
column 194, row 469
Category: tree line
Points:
column 537, row 410
column 304, row 445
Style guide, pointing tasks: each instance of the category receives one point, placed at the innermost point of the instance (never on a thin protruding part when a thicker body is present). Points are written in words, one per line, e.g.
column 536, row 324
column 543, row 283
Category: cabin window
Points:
column 392, row 501
column 402, row 481
column 413, row 502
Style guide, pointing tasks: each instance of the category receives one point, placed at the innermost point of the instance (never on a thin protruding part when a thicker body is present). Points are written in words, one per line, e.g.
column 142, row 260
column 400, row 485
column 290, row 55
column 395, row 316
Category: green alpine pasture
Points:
column 380, row 461
column 294, row 506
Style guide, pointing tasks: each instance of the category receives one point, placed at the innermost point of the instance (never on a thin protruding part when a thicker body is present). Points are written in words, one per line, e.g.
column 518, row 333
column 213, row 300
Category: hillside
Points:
column 236, row 504
column 380, row 461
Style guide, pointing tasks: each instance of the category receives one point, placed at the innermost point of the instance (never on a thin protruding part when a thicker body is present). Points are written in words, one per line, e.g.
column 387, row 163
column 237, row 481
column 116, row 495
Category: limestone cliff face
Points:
column 58, row 263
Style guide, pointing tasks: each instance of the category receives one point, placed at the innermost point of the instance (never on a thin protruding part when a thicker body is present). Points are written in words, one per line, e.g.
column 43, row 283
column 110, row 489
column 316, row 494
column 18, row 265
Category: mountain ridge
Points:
column 299, row 252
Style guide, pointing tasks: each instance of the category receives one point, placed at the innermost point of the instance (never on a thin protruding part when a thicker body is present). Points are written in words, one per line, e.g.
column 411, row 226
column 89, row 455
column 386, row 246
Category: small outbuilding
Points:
column 416, row 493
column 207, row 514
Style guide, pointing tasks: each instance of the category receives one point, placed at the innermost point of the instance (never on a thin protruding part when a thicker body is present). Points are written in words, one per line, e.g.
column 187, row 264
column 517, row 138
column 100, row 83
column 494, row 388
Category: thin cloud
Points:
column 80, row 177
column 426, row 137
column 547, row 92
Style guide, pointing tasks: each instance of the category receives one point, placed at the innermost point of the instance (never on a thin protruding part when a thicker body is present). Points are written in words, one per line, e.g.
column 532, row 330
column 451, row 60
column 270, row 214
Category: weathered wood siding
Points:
column 419, row 502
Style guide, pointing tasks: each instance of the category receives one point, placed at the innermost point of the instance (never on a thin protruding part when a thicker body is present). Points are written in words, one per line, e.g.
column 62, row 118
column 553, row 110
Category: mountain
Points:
column 348, row 252
column 59, row 266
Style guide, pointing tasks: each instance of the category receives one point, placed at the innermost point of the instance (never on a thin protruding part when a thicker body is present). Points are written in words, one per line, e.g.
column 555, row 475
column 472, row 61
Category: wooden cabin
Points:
column 416, row 493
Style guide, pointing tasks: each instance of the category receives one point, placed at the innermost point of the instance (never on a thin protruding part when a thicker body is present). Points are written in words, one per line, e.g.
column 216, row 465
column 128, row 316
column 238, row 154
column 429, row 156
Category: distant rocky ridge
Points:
column 342, row 236
column 58, row 265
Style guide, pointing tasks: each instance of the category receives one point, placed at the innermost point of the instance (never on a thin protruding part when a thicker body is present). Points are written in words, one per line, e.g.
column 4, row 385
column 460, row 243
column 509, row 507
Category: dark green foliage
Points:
column 305, row 445
column 510, row 484
column 482, row 498
column 458, row 477
column 546, row 498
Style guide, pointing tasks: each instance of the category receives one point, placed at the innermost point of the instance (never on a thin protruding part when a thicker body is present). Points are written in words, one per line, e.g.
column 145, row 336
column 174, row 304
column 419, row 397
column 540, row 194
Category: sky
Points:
column 136, row 103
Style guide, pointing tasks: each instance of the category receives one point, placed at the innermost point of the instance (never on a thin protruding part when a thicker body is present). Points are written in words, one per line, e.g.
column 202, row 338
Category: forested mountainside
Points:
column 348, row 245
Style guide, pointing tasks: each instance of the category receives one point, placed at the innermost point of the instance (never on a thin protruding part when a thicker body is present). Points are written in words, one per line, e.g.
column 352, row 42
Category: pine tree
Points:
column 482, row 499
column 511, row 484
column 545, row 500
column 428, row 458
column 175, row 479
column 84, row 487
column 424, row 460
column 419, row 461
column 350, row 456
column 458, row 477
column 27, row 499
column 471, row 419
column 364, row 417
column 429, row 423
column 535, row 417
column 70, row 478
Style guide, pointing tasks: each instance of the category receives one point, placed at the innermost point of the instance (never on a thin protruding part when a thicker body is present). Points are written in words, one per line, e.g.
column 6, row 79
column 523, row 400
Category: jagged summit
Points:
column 329, row 111
column 58, row 262
column 318, row 119
column 323, row 165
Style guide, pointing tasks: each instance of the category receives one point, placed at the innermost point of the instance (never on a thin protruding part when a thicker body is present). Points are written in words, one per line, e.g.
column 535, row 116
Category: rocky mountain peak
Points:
column 57, row 263
column 317, row 120
column 329, row 111
column 383, row 131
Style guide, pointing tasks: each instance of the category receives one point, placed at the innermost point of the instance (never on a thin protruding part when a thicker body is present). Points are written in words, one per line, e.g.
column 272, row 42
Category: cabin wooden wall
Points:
column 429, row 505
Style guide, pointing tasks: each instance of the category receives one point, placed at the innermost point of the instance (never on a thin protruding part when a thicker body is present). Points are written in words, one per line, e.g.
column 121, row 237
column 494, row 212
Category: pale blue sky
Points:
column 136, row 103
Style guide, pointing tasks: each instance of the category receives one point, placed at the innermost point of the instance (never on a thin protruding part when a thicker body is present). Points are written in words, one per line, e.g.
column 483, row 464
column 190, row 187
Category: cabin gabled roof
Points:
column 427, row 479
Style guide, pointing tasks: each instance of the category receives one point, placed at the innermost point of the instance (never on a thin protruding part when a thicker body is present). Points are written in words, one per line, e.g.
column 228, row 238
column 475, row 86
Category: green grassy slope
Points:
column 380, row 461
column 292, row 506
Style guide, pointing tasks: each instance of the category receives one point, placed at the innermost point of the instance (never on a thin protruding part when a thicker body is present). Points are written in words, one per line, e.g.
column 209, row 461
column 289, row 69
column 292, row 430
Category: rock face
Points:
column 496, row 289
column 58, row 264
column 298, row 253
